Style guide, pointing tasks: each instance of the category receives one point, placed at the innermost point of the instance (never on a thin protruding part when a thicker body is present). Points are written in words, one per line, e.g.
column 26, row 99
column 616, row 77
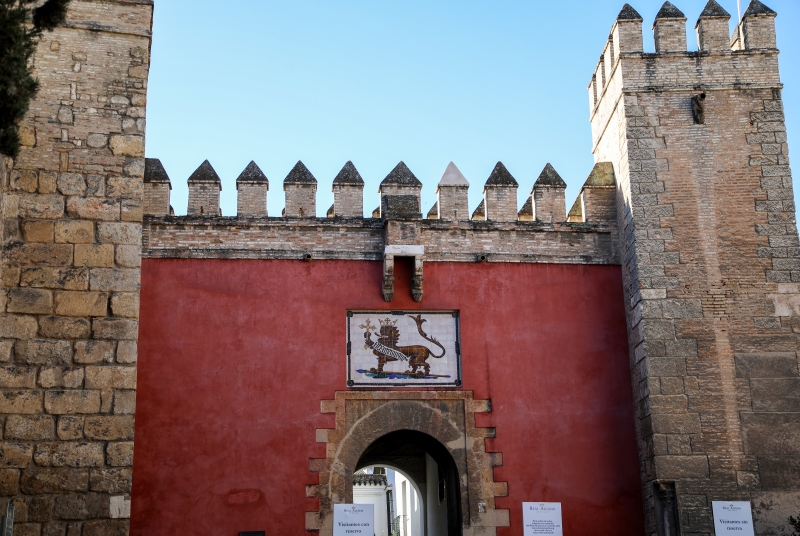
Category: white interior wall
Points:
column 436, row 513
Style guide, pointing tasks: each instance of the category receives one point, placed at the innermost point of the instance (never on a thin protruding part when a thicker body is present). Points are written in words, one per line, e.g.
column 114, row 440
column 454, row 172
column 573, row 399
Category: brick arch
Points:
column 448, row 417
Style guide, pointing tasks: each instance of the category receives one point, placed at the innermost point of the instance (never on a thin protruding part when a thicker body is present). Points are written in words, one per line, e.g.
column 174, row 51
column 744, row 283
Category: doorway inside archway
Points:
column 425, row 473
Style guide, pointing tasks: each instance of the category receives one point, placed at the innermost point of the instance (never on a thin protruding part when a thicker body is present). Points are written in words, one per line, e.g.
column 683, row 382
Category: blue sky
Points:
column 377, row 82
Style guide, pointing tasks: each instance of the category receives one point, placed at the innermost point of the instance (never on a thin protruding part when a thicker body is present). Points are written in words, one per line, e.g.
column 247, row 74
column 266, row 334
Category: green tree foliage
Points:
column 795, row 524
column 21, row 26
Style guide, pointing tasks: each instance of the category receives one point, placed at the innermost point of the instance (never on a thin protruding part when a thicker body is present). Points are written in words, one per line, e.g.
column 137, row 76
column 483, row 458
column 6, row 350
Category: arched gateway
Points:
column 397, row 429
column 433, row 471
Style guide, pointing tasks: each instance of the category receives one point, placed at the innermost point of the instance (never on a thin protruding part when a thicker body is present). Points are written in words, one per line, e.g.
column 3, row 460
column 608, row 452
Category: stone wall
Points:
column 501, row 203
column 348, row 200
column 301, row 200
column 453, row 203
column 251, row 199
column 71, row 250
column 366, row 238
column 710, row 259
column 549, row 204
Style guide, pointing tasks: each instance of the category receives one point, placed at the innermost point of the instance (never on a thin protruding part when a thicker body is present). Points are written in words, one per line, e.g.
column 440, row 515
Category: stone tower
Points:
column 70, row 265
column 711, row 264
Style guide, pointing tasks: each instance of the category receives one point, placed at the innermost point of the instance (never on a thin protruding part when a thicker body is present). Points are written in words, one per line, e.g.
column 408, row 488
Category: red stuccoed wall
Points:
column 235, row 356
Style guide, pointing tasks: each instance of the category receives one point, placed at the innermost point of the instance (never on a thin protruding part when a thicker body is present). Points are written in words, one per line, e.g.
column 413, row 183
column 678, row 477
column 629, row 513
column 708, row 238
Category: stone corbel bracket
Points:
column 418, row 252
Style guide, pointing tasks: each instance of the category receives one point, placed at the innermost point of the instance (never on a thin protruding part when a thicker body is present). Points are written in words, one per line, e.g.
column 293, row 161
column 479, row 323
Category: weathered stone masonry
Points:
column 71, row 252
column 695, row 204
column 710, row 257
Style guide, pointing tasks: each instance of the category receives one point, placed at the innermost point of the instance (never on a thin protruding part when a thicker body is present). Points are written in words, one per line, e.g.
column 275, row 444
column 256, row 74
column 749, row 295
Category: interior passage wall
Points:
column 235, row 356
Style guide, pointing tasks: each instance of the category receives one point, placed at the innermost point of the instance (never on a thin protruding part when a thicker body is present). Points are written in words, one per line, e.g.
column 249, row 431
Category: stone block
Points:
column 682, row 308
column 95, row 186
column 71, row 184
column 39, row 254
column 78, row 507
column 127, row 352
column 125, row 402
column 6, row 351
column 30, row 300
column 74, row 232
column 9, row 482
column 94, row 255
column 110, row 377
column 24, row 180
column 16, row 455
column 116, row 480
column 27, row 529
column 120, row 454
column 18, row 327
column 63, row 327
column 771, row 433
column 17, row 377
column 93, row 208
column 775, row 394
column 72, row 402
column 69, row 454
column 38, row 231
column 659, row 366
column 48, row 182
column 81, row 303
column 109, row 428
column 115, row 279
column 682, row 348
column 685, row 423
column 65, row 115
column 129, row 256
column 70, row 428
column 54, row 480
column 127, row 145
column 120, row 507
column 56, row 278
column 674, row 467
column 96, row 141
column 90, row 352
column 134, row 167
column 125, row 305
column 27, row 136
column 115, row 329
column 658, row 329
column 70, row 507
column 779, row 473
column 125, row 186
column 69, row 377
column 112, row 527
column 59, row 528
column 668, row 404
column 132, row 210
column 41, row 207
column 43, row 352
column 30, row 427
column 120, row 233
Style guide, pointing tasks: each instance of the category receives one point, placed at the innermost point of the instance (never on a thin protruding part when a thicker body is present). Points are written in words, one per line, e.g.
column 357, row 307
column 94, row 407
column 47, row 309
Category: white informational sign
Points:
column 353, row 520
column 733, row 518
column 542, row 518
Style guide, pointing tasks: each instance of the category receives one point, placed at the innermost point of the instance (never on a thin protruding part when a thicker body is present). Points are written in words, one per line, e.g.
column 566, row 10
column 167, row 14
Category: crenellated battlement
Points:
column 399, row 195
column 496, row 232
column 746, row 59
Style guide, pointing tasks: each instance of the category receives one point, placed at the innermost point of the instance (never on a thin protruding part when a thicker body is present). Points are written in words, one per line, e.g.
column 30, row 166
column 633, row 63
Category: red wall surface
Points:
column 235, row 356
